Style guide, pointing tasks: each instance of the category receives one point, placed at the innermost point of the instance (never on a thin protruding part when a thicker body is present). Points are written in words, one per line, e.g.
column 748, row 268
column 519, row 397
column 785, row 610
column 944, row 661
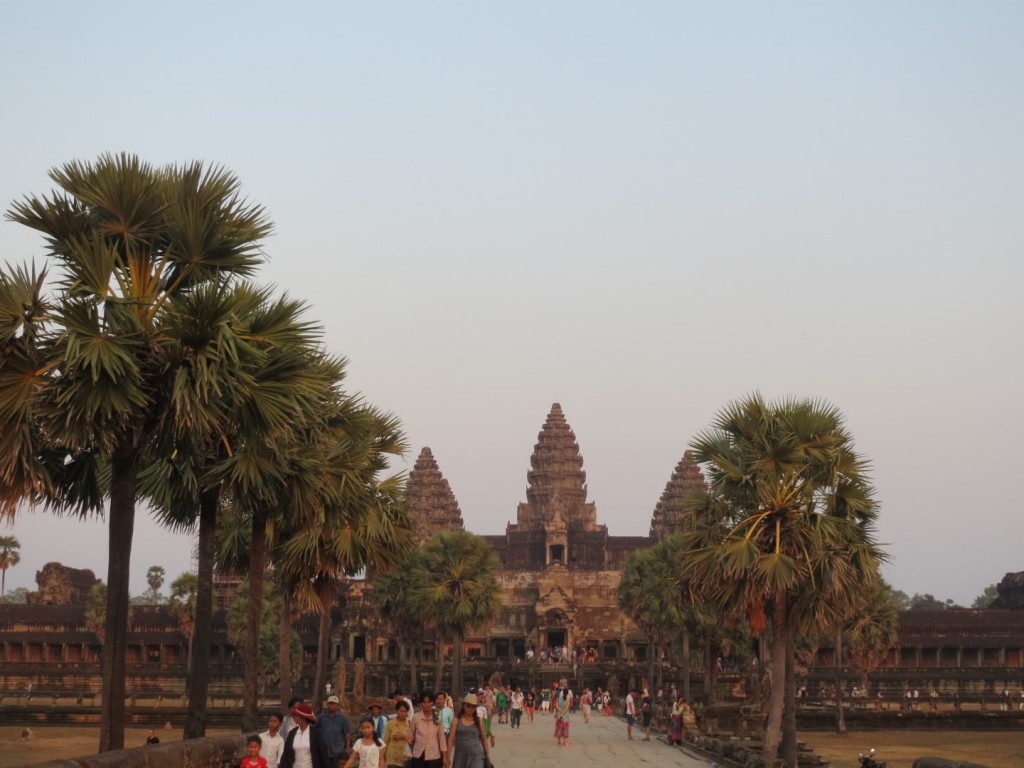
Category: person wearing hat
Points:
column 378, row 719
column 337, row 731
column 466, row 738
column 305, row 747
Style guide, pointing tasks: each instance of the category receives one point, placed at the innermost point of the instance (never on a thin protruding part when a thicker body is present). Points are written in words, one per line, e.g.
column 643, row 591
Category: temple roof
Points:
column 676, row 500
column 556, row 483
column 431, row 502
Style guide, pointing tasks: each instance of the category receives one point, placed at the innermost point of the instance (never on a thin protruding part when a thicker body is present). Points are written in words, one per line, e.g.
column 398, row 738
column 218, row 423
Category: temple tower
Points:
column 556, row 482
column 673, row 509
column 431, row 503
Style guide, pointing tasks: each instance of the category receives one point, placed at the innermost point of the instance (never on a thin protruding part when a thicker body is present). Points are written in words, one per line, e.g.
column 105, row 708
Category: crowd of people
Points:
column 437, row 731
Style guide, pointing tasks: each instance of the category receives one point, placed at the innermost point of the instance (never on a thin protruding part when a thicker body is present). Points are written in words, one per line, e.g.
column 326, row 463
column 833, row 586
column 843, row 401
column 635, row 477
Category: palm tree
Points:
column 454, row 585
column 393, row 596
column 182, row 603
column 155, row 579
column 362, row 521
column 650, row 595
column 10, row 554
column 788, row 532
column 127, row 239
column 249, row 378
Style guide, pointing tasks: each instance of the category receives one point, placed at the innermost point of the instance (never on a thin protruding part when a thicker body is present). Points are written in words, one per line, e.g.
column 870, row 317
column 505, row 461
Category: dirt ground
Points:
column 1000, row 749
column 52, row 743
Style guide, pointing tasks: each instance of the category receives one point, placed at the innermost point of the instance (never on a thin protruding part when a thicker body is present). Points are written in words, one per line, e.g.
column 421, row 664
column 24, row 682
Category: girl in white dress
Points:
column 368, row 750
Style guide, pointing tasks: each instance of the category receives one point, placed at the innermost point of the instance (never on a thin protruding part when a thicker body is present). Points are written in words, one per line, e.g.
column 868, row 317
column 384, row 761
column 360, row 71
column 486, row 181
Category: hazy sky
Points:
column 641, row 210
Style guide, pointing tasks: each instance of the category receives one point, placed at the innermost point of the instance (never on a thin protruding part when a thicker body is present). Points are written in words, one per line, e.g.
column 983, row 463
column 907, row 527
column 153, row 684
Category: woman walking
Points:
column 560, row 704
column 467, row 744
column 396, row 737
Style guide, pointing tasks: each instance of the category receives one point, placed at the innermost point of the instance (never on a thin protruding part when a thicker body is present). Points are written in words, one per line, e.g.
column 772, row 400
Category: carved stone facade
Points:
column 677, row 503
column 61, row 585
column 560, row 570
column 1010, row 592
column 430, row 499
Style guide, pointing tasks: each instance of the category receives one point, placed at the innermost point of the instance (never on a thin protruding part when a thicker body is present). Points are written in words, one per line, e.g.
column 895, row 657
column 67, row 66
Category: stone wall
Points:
column 220, row 752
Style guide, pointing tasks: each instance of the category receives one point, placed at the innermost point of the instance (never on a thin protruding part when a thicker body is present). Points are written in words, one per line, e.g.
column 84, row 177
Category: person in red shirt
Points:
column 253, row 759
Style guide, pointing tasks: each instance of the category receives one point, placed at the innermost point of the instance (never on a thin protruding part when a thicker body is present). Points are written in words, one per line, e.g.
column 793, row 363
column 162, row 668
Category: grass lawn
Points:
column 55, row 742
column 995, row 749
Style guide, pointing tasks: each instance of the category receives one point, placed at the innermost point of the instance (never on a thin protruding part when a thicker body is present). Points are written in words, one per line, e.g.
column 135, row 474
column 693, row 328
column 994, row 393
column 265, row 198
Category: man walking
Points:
column 336, row 731
column 630, row 712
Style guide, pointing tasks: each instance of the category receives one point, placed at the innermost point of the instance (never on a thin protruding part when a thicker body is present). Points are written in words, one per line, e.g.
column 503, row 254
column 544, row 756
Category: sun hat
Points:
column 470, row 698
column 304, row 711
column 376, row 704
column 333, row 700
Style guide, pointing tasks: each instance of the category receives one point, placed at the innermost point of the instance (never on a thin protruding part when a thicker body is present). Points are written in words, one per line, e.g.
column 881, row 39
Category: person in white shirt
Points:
column 273, row 741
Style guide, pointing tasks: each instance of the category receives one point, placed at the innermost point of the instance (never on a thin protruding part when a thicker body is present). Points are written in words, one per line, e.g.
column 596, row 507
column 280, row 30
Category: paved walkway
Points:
column 602, row 741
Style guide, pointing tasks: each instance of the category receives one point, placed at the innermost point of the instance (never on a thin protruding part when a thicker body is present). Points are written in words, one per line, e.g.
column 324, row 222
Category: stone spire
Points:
column 676, row 502
column 431, row 503
column 556, row 477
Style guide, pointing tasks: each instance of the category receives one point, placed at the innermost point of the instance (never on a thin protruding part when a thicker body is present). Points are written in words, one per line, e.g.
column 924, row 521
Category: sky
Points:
column 640, row 210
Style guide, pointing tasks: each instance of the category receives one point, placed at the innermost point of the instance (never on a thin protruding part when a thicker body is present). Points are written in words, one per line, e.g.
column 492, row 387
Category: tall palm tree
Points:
column 126, row 238
column 650, row 595
column 362, row 522
column 10, row 555
column 789, row 532
column 247, row 378
column 394, row 598
column 182, row 603
column 455, row 586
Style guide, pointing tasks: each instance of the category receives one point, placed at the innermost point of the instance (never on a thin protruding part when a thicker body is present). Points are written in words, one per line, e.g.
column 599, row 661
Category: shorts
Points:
column 630, row 720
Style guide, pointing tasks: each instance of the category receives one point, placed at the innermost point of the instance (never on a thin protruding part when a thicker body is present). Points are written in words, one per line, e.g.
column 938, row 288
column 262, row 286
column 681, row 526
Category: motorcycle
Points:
column 868, row 760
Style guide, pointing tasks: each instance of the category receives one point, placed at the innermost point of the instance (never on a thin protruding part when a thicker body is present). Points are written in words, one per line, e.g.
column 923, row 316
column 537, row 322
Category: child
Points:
column 253, row 759
column 369, row 749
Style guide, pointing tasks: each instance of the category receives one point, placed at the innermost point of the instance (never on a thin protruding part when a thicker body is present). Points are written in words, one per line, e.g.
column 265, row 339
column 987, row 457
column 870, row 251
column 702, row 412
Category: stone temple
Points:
column 560, row 570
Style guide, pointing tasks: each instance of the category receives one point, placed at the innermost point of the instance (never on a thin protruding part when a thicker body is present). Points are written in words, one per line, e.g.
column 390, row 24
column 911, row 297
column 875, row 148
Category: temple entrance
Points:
column 556, row 637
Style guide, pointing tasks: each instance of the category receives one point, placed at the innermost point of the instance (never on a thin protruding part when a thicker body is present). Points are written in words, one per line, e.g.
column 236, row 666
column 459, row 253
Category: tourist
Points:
column 152, row 738
column 586, row 704
column 545, row 701
column 336, row 730
column 675, row 728
column 288, row 723
column 442, row 705
column 646, row 713
column 489, row 703
column 561, row 704
column 305, row 746
column 501, row 700
column 377, row 716
column 368, row 749
column 630, row 712
column 467, row 740
column 396, row 737
column 253, row 758
column 516, row 707
column 426, row 736
column 273, row 741
column 530, row 704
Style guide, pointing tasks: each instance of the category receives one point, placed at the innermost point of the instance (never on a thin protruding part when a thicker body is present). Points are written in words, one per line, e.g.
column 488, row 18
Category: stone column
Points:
column 959, row 657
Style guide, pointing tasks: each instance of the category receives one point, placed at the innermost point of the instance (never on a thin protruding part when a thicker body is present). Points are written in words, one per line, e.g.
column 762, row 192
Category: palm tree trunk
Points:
column 414, row 678
column 777, row 697
column 254, row 620
column 195, row 720
column 789, row 745
column 3, row 583
column 285, row 649
column 327, row 594
column 840, row 716
column 457, row 662
column 709, row 685
column 652, row 646
column 120, row 531
column 402, row 650
column 686, row 664
column 439, row 665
